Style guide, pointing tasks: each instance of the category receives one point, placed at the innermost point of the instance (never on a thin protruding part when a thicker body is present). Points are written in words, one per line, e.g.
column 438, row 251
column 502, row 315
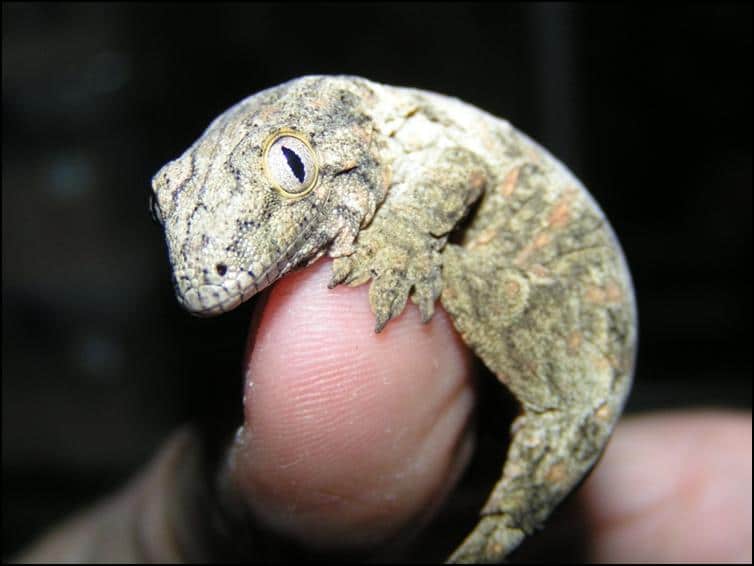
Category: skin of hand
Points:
column 352, row 440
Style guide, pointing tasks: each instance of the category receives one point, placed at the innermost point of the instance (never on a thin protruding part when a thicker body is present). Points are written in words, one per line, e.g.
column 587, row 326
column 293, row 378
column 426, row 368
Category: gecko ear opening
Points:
column 290, row 163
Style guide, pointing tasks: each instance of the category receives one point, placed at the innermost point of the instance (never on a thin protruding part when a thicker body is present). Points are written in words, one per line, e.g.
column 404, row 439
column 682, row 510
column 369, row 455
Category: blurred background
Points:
column 650, row 108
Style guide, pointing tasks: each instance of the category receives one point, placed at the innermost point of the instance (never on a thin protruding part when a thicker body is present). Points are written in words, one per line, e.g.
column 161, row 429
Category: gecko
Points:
column 429, row 198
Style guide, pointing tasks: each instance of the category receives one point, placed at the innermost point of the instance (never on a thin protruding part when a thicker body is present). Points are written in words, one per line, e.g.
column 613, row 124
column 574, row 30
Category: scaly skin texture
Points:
column 535, row 280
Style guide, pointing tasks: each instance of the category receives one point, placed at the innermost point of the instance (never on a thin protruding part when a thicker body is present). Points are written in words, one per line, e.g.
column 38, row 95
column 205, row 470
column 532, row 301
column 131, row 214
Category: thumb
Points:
column 350, row 437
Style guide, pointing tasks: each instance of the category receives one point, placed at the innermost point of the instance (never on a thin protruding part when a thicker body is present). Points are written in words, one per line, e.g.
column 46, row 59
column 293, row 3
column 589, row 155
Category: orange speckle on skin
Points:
column 560, row 215
column 265, row 113
column 523, row 255
column 595, row 294
column 533, row 155
column 539, row 270
column 574, row 341
column 613, row 292
column 603, row 413
column 488, row 140
column 494, row 548
column 512, row 289
column 561, row 212
column 509, row 183
column 364, row 135
column 477, row 180
column 504, row 378
column 387, row 177
column 601, row 363
column 483, row 238
column 532, row 367
column 542, row 240
column 557, row 473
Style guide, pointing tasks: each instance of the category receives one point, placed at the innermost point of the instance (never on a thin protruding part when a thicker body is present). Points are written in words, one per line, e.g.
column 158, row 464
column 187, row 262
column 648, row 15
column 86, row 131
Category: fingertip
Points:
column 349, row 434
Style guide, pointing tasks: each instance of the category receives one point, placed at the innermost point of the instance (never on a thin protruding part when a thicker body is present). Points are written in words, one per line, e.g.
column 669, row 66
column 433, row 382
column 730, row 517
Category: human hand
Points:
column 351, row 440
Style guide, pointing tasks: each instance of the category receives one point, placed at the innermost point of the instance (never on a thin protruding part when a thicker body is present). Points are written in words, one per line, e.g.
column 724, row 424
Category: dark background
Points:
column 650, row 108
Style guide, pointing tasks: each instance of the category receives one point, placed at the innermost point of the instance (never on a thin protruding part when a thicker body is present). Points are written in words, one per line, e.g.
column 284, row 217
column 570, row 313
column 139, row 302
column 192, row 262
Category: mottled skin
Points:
column 536, row 283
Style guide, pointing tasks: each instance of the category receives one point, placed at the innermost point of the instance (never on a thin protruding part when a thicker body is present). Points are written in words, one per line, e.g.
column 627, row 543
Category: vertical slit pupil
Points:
column 295, row 163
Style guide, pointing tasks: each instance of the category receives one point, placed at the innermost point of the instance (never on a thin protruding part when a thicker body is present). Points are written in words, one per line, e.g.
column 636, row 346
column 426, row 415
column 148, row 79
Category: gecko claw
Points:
column 341, row 268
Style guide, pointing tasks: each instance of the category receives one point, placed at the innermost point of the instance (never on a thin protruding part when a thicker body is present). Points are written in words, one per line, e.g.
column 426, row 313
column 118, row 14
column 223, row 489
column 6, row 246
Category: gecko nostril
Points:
column 221, row 269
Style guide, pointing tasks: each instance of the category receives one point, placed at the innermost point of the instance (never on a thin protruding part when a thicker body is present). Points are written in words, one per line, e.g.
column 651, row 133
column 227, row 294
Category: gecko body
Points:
column 427, row 198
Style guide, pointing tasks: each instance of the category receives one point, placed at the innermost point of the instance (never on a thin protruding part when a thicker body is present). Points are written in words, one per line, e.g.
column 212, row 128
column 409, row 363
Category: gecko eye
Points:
column 290, row 163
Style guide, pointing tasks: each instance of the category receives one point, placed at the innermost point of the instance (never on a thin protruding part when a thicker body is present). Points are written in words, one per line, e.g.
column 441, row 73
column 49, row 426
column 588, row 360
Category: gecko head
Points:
column 266, row 188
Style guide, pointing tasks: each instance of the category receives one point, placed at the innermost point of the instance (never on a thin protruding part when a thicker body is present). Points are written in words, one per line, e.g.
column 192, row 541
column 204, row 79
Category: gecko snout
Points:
column 217, row 286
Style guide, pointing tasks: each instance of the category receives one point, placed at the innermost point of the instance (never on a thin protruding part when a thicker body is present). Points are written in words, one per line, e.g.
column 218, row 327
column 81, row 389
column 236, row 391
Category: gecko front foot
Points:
column 400, row 251
column 400, row 261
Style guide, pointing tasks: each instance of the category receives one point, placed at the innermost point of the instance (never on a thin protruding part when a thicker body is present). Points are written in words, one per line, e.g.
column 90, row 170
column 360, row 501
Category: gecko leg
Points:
column 571, row 389
column 400, row 249
column 549, row 454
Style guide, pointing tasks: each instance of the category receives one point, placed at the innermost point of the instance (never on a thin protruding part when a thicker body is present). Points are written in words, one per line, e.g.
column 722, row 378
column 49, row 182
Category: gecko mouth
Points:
column 230, row 288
